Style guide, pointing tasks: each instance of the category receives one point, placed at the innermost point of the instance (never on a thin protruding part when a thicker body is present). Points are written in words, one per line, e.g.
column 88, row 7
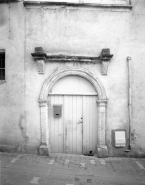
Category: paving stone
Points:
column 67, row 170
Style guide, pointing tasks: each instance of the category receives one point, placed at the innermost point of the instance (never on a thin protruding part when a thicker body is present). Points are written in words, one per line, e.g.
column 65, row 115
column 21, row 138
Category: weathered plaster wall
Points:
column 137, row 52
column 12, row 119
column 74, row 31
column 79, row 31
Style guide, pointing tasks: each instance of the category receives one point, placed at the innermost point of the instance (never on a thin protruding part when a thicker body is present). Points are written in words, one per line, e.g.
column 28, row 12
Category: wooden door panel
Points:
column 70, row 133
column 56, row 133
column 73, row 125
column 89, row 124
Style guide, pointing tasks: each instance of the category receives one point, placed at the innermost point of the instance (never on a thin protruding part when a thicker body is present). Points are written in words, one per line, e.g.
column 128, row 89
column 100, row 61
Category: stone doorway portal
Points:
column 45, row 148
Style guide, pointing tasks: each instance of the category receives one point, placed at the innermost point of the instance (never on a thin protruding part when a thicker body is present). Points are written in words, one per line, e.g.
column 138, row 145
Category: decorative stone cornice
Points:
column 41, row 57
column 117, row 7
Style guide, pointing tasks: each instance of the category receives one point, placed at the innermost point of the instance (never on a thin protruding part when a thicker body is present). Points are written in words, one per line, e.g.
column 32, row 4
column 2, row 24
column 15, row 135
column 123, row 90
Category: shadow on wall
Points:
column 22, row 127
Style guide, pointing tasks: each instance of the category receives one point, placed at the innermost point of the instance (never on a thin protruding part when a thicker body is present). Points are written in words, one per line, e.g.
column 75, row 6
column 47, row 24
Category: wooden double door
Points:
column 75, row 131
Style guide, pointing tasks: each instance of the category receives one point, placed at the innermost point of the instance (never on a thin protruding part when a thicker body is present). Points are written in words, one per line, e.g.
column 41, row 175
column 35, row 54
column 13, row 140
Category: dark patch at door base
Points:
column 90, row 154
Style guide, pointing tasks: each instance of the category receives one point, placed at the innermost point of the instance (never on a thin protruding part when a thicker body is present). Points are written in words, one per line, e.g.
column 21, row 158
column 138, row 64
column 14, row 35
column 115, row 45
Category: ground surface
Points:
column 25, row 169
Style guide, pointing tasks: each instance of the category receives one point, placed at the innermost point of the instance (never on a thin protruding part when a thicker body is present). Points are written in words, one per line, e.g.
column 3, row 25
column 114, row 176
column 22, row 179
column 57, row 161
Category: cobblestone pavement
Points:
column 60, row 169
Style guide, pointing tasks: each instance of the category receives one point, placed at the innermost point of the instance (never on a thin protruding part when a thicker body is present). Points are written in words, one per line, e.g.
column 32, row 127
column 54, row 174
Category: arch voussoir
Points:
column 48, row 84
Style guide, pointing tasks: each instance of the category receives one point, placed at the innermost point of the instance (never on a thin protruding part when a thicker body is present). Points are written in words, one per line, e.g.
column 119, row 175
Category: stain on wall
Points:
column 23, row 131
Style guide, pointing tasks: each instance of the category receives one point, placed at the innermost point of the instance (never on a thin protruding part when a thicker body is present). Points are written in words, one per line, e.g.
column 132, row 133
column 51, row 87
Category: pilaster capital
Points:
column 102, row 103
column 42, row 103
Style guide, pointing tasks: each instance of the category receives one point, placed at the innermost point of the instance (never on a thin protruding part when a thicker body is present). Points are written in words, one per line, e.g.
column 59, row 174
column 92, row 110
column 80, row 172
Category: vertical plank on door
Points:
column 60, row 127
column 89, row 124
column 74, row 115
column 86, row 112
column 51, row 124
column 56, row 126
column 67, row 109
column 79, row 124
column 95, row 123
column 92, row 124
column 73, row 125
column 67, row 123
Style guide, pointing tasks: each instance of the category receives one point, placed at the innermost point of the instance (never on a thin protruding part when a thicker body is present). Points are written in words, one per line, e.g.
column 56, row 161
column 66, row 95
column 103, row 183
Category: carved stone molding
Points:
column 104, row 67
column 40, row 57
column 102, row 103
column 41, row 66
column 105, row 58
column 49, row 82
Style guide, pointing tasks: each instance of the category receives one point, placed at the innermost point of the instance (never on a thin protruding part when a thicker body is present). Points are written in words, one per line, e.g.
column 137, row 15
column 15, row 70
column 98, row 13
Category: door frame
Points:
column 45, row 148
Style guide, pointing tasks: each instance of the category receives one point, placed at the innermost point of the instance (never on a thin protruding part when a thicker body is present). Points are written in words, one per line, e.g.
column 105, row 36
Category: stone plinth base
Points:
column 44, row 150
column 102, row 151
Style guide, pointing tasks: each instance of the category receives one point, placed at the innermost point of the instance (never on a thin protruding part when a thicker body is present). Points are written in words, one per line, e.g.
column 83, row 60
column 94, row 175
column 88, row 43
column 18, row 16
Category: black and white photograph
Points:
column 72, row 92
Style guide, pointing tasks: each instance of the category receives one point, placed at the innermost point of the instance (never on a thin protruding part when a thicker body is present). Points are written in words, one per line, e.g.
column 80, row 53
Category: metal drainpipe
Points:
column 129, row 99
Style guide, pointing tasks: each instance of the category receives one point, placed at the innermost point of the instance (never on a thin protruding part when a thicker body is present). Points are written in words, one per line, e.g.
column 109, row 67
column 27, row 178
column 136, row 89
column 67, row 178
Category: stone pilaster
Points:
column 44, row 148
column 102, row 150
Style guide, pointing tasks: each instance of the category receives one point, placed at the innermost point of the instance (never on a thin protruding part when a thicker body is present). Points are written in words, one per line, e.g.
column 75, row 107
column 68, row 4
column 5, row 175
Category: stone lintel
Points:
column 125, row 7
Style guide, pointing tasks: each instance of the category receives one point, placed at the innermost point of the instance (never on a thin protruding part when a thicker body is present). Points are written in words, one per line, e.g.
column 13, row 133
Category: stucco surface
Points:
column 12, row 91
column 71, row 31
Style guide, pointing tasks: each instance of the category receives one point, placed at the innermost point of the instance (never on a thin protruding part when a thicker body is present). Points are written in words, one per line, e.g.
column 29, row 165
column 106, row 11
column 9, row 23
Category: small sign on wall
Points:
column 119, row 138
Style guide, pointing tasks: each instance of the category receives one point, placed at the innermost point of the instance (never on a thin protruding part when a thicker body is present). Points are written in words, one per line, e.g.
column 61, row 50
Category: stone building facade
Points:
column 72, row 77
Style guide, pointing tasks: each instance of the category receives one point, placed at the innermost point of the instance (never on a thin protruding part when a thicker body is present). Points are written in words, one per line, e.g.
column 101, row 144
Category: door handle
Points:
column 81, row 121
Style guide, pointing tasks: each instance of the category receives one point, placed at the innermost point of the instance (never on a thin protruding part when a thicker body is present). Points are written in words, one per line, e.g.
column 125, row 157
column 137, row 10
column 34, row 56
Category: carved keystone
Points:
column 40, row 57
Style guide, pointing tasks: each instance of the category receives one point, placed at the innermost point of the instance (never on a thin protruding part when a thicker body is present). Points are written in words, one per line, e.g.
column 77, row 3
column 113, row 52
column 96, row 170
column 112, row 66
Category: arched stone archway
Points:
column 44, row 149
